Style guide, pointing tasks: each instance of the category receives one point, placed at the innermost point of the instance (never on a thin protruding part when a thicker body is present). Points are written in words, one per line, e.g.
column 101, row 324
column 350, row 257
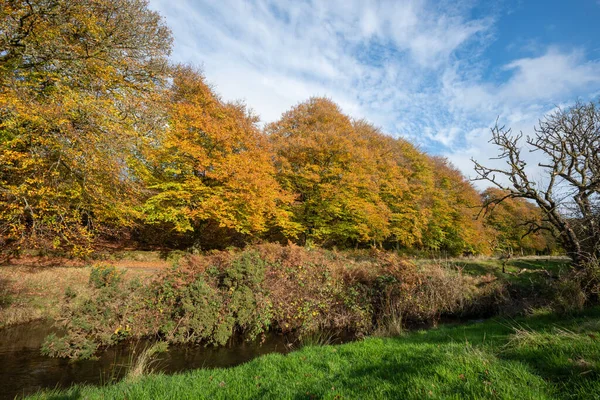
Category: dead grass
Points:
column 33, row 286
column 525, row 337
column 143, row 364
column 390, row 326
column 29, row 292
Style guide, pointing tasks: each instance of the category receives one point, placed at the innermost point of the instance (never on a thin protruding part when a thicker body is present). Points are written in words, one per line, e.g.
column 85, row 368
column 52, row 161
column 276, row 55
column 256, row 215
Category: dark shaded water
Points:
column 23, row 370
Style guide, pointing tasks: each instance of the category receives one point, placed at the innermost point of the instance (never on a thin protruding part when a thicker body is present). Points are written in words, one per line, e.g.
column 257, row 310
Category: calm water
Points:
column 23, row 370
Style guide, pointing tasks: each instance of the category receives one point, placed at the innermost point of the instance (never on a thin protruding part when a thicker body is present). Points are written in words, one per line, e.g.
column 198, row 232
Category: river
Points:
column 23, row 370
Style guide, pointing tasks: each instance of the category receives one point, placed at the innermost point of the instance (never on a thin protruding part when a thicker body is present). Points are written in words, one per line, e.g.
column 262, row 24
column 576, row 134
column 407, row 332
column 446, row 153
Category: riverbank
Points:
column 33, row 287
column 539, row 357
column 211, row 298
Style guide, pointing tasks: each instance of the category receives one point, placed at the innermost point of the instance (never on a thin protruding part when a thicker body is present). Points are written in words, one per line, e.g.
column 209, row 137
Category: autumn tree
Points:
column 213, row 167
column 431, row 205
column 356, row 186
column 77, row 80
column 403, row 175
column 328, row 166
column 453, row 226
column 510, row 221
column 568, row 192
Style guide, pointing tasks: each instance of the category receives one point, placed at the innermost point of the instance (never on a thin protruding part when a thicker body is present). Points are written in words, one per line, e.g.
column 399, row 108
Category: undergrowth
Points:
column 211, row 298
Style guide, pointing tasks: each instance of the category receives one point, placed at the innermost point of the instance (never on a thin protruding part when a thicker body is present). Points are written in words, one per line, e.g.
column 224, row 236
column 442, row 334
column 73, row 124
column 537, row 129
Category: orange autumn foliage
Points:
column 101, row 138
column 511, row 222
column 213, row 165
column 324, row 161
column 356, row 186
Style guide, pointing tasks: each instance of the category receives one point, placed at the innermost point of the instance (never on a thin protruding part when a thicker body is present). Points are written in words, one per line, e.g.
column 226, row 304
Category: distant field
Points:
column 521, row 269
column 540, row 357
column 33, row 287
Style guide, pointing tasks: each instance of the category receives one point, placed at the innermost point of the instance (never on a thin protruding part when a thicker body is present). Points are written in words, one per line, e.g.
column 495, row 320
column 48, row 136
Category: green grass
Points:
column 540, row 357
column 521, row 271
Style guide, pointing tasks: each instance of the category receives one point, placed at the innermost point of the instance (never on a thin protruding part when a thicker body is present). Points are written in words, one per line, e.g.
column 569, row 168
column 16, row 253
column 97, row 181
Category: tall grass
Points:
column 144, row 363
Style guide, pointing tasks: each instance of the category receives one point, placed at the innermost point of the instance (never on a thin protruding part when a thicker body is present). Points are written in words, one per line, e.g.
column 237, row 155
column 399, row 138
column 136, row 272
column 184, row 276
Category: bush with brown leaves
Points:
column 212, row 297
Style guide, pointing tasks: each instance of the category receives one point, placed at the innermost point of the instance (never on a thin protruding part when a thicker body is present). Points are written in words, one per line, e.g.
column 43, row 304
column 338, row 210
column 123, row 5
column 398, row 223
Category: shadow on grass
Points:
column 471, row 362
column 554, row 266
column 479, row 267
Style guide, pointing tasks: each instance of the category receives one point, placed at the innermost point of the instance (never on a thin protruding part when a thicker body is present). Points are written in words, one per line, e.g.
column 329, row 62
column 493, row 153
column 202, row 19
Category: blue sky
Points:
column 436, row 72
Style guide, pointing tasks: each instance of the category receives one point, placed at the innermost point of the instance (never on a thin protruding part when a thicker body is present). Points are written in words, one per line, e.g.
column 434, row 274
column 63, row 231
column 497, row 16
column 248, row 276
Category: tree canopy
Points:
column 213, row 165
column 356, row 186
column 103, row 139
column 511, row 219
column 77, row 79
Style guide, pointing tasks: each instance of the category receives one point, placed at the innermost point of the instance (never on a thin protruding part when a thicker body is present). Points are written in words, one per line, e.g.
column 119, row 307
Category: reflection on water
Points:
column 23, row 370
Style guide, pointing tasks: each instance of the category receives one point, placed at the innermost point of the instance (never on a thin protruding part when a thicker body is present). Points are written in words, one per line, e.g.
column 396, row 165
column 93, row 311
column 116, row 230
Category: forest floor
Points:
column 543, row 356
column 33, row 287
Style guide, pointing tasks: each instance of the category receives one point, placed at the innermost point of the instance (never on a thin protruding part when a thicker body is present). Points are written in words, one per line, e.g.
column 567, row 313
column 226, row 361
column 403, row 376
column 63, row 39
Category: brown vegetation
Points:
column 211, row 298
column 34, row 288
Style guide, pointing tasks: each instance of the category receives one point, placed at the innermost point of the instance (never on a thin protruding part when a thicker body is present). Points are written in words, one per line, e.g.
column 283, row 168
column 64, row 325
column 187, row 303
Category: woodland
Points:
column 104, row 142
column 137, row 204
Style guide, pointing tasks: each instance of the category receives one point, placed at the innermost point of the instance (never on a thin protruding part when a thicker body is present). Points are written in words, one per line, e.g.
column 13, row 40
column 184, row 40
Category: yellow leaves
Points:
column 508, row 223
column 73, row 110
column 355, row 185
column 216, row 155
column 94, row 137
column 339, row 171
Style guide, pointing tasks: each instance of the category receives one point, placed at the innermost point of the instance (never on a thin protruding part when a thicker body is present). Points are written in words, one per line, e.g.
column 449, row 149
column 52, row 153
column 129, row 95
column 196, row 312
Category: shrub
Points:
column 568, row 295
column 105, row 275
column 71, row 346
column 308, row 291
column 401, row 291
column 215, row 301
column 210, row 298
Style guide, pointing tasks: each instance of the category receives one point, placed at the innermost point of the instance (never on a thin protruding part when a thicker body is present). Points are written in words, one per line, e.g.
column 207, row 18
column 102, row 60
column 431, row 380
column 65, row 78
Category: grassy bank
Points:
column 539, row 357
column 33, row 287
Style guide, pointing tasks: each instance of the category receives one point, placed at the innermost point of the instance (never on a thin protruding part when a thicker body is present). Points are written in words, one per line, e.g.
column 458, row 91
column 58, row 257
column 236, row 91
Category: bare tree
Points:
column 569, row 191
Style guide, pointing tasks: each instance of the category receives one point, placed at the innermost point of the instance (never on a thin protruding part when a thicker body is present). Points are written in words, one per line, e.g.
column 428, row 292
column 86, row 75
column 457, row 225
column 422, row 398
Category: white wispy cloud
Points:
column 413, row 67
column 535, row 88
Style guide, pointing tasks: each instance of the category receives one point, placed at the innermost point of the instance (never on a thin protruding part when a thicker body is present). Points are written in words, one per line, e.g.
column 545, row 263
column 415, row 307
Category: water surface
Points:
column 23, row 370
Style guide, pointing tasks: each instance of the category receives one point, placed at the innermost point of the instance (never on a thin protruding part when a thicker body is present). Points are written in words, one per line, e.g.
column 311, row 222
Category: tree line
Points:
column 103, row 139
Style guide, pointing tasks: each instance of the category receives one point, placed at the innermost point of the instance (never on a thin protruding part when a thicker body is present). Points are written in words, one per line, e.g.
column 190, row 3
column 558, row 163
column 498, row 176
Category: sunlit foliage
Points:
column 76, row 81
column 510, row 218
column 213, row 166
column 356, row 186
column 102, row 139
